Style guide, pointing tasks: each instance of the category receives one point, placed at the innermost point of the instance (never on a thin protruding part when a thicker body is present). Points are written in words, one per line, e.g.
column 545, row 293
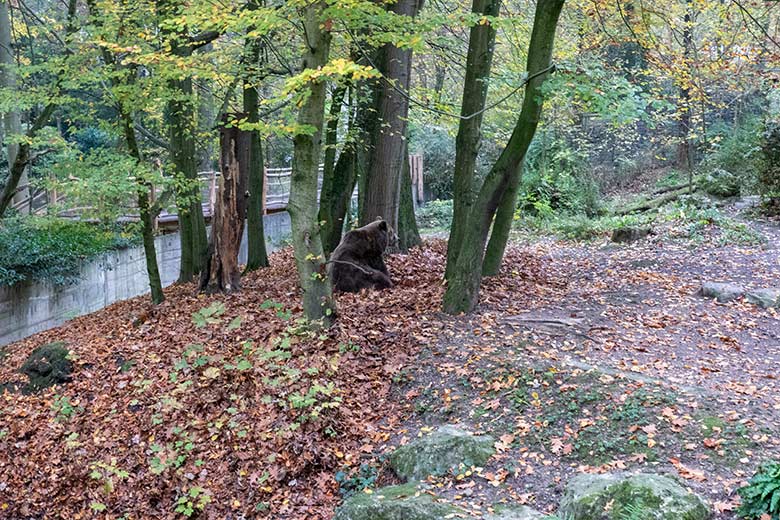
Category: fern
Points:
column 762, row 494
column 636, row 511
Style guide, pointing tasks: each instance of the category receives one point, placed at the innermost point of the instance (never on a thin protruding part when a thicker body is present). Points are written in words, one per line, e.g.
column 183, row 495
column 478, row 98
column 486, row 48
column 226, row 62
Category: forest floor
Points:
column 582, row 357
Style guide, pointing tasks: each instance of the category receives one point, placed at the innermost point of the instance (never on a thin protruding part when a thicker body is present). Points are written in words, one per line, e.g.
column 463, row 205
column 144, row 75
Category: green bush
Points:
column 762, row 494
column 51, row 250
column 436, row 214
column 735, row 161
column 438, row 149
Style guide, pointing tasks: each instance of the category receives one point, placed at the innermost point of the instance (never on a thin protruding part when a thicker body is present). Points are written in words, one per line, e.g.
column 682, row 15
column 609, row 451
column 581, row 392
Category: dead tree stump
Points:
column 227, row 222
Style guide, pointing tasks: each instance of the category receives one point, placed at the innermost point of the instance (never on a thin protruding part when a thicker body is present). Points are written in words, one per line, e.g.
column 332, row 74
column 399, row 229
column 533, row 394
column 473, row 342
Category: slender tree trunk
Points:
column 383, row 183
column 502, row 225
column 147, row 218
column 479, row 60
column 462, row 292
column 144, row 188
column 338, row 178
column 408, row 233
column 17, row 168
column 227, row 225
column 684, row 146
column 257, row 256
column 12, row 120
column 302, row 206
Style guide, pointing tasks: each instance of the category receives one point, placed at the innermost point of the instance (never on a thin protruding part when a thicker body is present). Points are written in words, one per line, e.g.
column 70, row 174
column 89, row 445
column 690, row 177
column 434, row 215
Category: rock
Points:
column 405, row 502
column 626, row 235
column 766, row 298
column 518, row 513
column 588, row 497
column 48, row 365
column 440, row 452
column 724, row 292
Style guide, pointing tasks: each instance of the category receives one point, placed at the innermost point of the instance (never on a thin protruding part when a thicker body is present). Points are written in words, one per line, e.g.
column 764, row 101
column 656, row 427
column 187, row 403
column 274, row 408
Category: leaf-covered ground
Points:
column 581, row 358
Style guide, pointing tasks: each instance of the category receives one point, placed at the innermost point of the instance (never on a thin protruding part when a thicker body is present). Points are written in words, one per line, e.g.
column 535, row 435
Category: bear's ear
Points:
column 383, row 225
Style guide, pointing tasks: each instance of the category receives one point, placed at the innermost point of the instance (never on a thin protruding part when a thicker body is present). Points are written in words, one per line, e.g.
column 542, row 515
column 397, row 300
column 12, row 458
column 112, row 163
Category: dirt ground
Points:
column 611, row 361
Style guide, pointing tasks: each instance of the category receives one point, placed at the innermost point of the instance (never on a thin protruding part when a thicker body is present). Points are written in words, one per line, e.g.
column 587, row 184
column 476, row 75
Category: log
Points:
column 666, row 189
column 227, row 224
column 654, row 203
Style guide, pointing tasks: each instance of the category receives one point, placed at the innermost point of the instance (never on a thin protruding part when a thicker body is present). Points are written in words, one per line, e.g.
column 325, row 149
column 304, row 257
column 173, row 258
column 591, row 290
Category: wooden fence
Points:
column 276, row 193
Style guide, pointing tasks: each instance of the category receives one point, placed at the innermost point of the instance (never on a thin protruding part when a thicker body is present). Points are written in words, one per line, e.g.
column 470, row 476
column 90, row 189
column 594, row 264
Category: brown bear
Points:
column 357, row 262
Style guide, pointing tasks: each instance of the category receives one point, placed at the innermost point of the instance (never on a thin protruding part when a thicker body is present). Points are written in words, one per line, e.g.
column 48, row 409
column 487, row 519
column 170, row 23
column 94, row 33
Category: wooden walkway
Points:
column 276, row 193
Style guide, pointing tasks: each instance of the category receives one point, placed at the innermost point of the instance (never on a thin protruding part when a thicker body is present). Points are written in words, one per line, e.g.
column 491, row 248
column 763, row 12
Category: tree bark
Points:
column 181, row 116
column 408, row 233
column 257, row 255
column 383, row 182
column 302, row 206
column 479, row 61
column 12, row 120
column 227, row 225
column 462, row 292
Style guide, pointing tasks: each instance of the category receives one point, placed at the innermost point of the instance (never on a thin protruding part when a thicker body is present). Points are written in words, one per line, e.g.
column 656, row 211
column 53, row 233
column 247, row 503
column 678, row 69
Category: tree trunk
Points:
column 147, row 218
column 408, row 234
column 227, row 224
column 338, row 182
column 479, row 60
column 462, row 292
column 192, row 226
column 12, row 121
column 502, row 225
column 257, row 256
column 302, row 206
column 684, row 161
column 383, row 182
column 17, row 168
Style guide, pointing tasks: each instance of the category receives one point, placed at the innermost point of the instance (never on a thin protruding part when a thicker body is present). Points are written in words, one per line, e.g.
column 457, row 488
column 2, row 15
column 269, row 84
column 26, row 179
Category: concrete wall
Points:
column 28, row 308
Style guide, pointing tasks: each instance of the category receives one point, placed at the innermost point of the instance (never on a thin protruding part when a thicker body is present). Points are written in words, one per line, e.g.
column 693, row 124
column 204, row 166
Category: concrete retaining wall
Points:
column 28, row 308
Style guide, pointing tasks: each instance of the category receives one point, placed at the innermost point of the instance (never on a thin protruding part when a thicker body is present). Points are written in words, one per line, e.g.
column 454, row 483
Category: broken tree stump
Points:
column 227, row 223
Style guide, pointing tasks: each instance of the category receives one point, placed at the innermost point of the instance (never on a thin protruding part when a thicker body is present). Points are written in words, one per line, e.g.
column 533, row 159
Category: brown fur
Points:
column 357, row 262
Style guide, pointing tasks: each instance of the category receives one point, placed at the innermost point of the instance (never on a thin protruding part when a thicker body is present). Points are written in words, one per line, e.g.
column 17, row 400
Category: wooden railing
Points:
column 276, row 193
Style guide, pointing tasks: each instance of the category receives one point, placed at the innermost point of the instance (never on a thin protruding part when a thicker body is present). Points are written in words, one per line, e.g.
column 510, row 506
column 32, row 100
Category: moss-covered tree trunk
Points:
column 257, row 255
column 302, row 206
column 408, row 233
column 462, row 292
column 479, row 60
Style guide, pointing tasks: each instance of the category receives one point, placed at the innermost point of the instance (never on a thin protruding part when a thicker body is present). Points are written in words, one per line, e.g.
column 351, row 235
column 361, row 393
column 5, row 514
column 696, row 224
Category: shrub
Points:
column 44, row 249
column 737, row 151
column 761, row 497
column 436, row 214
column 438, row 149
column 721, row 183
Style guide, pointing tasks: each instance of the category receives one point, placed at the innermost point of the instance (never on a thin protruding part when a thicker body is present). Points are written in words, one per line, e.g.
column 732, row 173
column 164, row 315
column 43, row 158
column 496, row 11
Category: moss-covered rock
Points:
column 444, row 450
column 48, row 365
column 765, row 298
column 406, row 502
column 518, row 513
column 613, row 496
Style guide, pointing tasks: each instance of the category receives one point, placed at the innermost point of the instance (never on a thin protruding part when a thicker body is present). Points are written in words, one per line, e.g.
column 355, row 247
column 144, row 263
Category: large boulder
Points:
column 518, row 513
column 614, row 496
column 445, row 450
column 405, row 502
column 48, row 365
column 723, row 292
column 766, row 298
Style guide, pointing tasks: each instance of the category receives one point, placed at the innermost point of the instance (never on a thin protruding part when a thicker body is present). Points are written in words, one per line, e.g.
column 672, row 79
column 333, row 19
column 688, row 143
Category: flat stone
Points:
column 614, row 496
column 766, row 298
column 445, row 450
column 723, row 292
column 405, row 502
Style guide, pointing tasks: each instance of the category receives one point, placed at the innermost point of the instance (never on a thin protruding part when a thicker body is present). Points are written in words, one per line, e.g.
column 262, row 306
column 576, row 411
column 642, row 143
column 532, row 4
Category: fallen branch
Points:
column 667, row 189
